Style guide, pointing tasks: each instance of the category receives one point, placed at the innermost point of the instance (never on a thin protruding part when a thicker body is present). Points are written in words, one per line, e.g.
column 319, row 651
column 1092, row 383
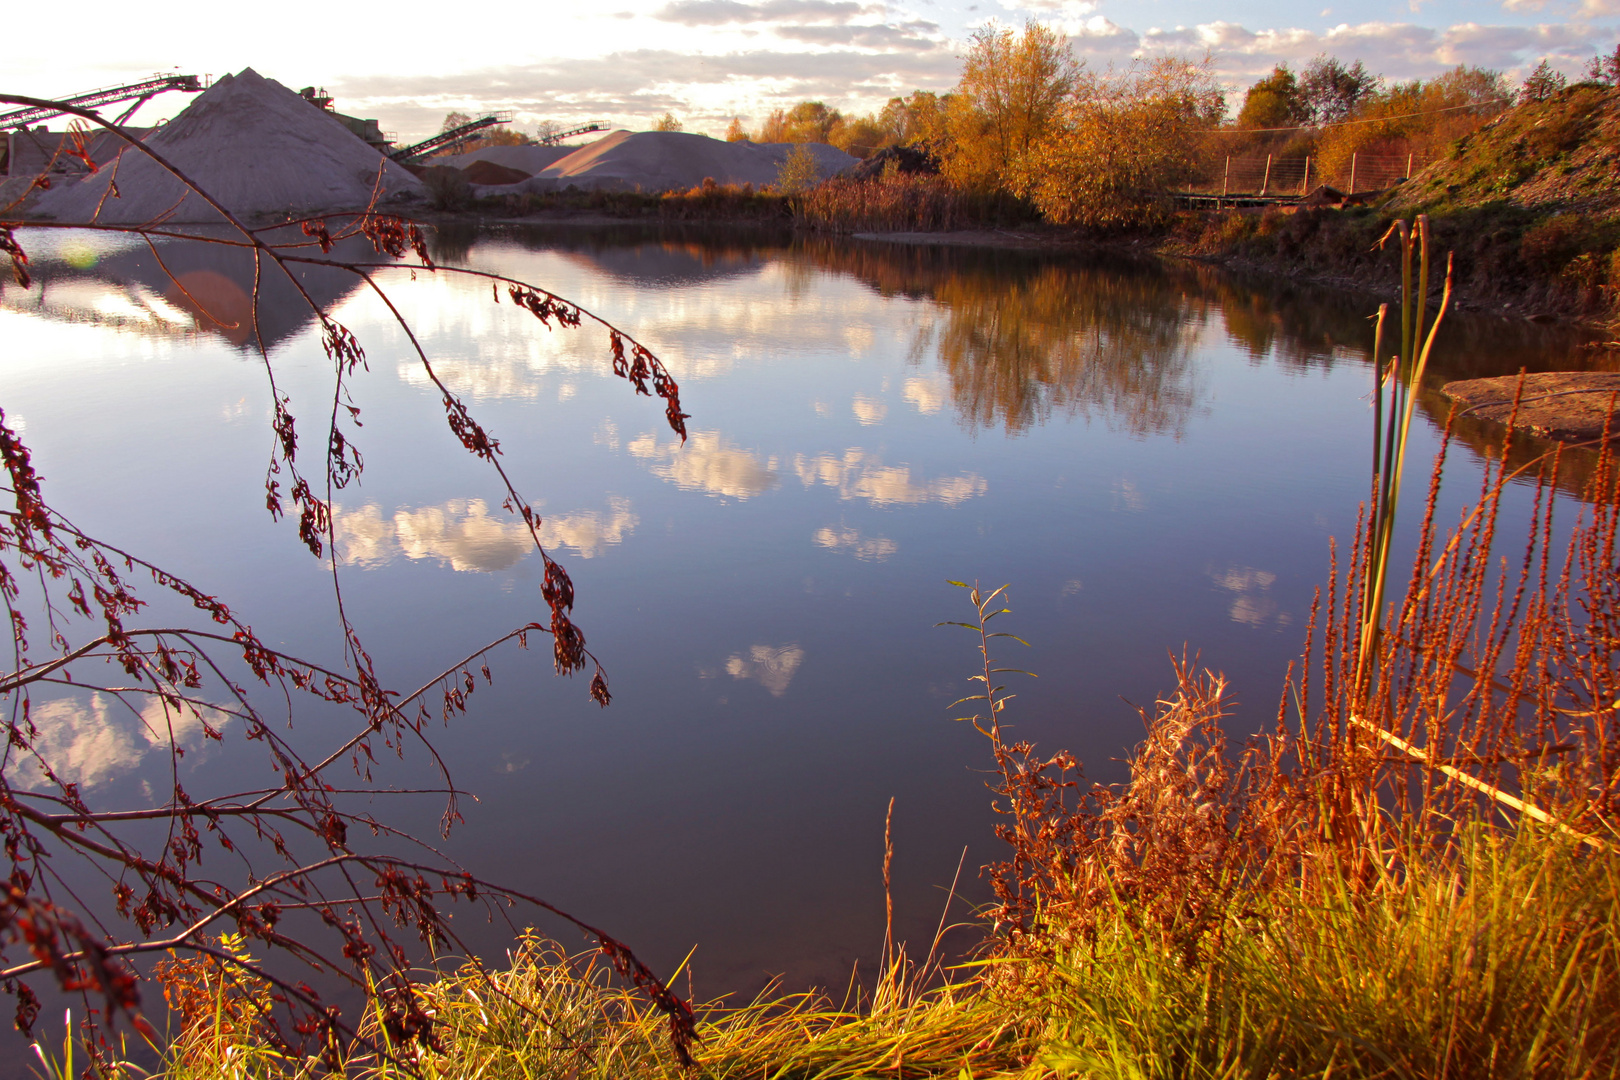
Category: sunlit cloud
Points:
column 1252, row 603
column 708, row 463
column 869, row 410
column 92, row 745
column 463, row 535
column 857, row 474
column 851, row 542
column 926, row 395
column 771, row 667
column 722, row 12
column 1394, row 49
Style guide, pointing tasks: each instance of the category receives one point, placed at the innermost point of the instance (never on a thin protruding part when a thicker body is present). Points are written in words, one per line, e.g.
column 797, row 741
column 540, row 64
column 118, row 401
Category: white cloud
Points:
column 708, row 463
column 869, row 410
column 89, row 746
column 462, row 534
column 771, row 667
column 858, row 474
column 1252, row 604
column 926, row 395
column 866, row 548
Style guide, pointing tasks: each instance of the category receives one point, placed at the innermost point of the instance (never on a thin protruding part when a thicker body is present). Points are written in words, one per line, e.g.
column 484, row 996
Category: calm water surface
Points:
column 1153, row 458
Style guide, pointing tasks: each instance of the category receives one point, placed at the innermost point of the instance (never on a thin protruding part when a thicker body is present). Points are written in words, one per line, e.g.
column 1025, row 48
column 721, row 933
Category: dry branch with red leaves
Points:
column 293, row 881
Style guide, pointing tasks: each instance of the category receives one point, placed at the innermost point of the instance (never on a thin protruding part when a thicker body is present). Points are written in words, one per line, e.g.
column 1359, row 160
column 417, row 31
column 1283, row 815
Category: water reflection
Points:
column 859, row 474
column 1021, row 339
column 842, row 538
column 770, row 666
column 707, row 463
column 106, row 739
column 177, row 287
column 1252, row 602
column 464, row 535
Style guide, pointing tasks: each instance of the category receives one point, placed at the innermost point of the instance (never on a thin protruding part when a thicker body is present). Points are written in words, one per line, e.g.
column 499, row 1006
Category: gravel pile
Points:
column 255, row 146
column 654, row 161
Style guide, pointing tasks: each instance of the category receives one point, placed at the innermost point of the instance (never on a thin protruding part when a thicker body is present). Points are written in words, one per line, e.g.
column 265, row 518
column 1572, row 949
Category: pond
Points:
column 1153, row 457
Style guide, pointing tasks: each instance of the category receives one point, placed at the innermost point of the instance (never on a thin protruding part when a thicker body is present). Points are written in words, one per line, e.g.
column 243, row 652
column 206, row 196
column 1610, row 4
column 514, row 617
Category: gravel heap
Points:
column 654, row 161
column 529, row 159
column 251, row 143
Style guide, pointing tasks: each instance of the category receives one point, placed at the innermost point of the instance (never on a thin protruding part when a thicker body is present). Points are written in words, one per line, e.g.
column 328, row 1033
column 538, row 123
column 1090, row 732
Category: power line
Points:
column 1370, row 120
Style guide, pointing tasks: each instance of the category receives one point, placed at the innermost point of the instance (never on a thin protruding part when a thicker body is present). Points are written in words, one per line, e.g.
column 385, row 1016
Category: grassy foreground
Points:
column 1503, row 962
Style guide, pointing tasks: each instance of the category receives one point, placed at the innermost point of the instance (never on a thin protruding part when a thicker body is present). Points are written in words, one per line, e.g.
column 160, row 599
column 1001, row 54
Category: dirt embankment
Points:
column 1528, row 205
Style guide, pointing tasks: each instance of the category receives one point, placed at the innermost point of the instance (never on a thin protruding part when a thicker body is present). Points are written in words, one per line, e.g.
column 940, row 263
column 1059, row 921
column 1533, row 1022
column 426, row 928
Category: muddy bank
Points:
column 1567, row 406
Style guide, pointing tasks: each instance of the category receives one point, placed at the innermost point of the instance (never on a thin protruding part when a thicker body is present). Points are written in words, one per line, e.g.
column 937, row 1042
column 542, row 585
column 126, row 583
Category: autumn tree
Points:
column 668, row 122
column 861, row 136
column 1416, row 119
column 1122, row 141
column 917, row 120
column 813, row 121
column 736, row 132
column 1605, row 69
column 1329, row 91
column 1542, row 83
column 1011, row 95
column 775, row 128
column 1274, row 102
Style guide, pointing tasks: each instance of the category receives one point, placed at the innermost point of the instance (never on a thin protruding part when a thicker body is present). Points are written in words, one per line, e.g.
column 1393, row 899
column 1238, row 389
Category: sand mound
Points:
column 526, row 159
column 254, row 145
column 487, row 172
column 674, row 161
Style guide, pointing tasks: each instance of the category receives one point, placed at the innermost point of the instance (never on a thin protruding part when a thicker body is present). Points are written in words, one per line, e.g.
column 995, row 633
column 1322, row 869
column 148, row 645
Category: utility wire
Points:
column 1371, row 120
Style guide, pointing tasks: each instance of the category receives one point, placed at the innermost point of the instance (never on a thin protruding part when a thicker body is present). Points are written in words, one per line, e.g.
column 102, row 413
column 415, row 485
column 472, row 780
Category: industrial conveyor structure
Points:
column 558, row 136
column 140, row 93
column 450, row 138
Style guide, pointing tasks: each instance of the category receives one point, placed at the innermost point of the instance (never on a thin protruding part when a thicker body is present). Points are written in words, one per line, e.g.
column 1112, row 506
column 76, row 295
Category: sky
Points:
column 628, row 62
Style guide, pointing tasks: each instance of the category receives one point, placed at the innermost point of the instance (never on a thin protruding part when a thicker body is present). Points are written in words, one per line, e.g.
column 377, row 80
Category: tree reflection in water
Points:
column 1022, row 339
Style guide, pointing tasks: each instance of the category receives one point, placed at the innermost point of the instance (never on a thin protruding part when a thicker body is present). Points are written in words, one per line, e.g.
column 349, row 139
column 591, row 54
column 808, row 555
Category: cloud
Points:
column 869, row 410
column 1397, row 50
column 89, row 746
column 724, row 12
column 915, row 35
column 772, row 668
column 707, row 463
column 462, row 534
column 626, row 87
column 850, row 541
column 926, row 395
column 1068, row 8
column 858, row 474
column 1252, row 605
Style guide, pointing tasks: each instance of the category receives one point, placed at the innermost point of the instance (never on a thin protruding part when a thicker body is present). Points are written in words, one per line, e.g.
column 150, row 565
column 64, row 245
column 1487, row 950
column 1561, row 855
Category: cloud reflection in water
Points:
column 772, row 668
column 707, row 463
column 90, row 746
column 462, row 534
column 858, row 474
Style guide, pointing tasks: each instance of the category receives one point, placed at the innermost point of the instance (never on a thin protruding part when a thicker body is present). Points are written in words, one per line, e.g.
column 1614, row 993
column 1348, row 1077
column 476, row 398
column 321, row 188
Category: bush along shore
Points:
column 1528, row 200
column 1413, row 871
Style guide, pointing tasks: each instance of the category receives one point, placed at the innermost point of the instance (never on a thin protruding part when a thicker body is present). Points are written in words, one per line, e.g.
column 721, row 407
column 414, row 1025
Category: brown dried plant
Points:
column 292, row 884
column 1487, row 694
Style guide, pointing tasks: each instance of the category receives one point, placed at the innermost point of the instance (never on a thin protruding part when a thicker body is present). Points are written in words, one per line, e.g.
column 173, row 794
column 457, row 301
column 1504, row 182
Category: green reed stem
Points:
column 1404, row 385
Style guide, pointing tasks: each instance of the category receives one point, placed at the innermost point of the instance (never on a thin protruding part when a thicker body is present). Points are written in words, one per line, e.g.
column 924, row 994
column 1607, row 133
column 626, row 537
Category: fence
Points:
column 1272, row 176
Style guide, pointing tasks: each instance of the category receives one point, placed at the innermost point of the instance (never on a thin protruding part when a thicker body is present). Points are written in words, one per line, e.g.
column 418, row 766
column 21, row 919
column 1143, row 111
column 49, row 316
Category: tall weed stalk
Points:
column 1411, row 873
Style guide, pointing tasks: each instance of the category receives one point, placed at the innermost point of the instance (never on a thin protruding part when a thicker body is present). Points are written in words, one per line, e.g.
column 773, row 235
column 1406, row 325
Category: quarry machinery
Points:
column 558, row 136
column 140, row 93
column 449, row 138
